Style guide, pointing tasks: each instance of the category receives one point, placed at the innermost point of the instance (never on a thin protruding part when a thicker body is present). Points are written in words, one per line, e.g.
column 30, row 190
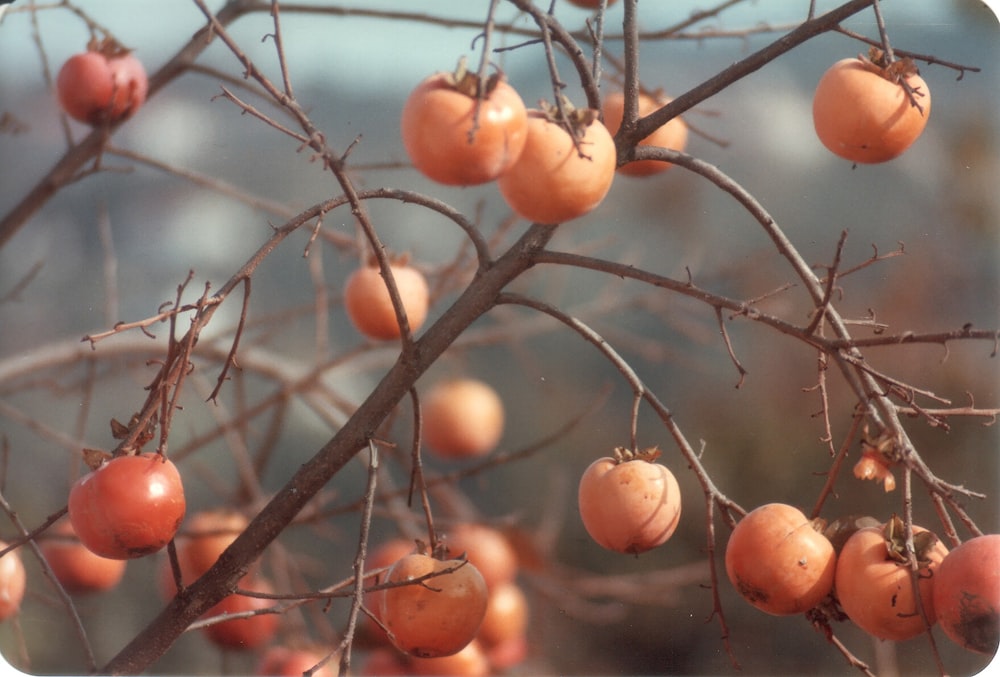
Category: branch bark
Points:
column 154, row 640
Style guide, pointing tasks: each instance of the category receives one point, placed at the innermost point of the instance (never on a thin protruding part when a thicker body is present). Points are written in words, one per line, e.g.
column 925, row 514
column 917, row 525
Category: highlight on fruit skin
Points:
column 867, row 111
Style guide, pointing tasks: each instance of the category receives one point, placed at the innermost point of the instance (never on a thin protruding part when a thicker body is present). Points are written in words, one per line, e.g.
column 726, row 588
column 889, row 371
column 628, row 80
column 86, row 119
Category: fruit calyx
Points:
column 565, row 114
column 895, row 543
column 108, row 47
column 624, row 454
column 469, row 83
column 897, row 71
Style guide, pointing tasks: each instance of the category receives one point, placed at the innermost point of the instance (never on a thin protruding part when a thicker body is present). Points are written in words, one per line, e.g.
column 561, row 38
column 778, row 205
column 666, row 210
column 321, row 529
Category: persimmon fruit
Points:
column 863, row 113
column 506, row 615
column 439, row 615
column 672, row 135
column 247, row 632
column 105, row 84
column 462, row 418
column 369, row 306
column 13, row 581
column 557, row 178
column 967, row 594
column 873, row 581
column 287, row 661
column 487, row 548
column 130, row 506
column 778, row 561
column 460, row 131
column 629, row 503
column 76, row 568
column 470, row 661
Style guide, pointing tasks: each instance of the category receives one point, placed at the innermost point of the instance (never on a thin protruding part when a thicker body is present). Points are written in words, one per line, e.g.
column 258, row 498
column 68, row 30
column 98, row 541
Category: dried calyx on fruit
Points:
column 898, row 71
column 895, row 542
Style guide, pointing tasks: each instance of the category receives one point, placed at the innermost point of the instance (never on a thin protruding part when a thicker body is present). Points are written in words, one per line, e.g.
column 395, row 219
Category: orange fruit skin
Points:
column 129, row 507
column 470, row 661
column 967, row 594
column 463, row 418
column 436, row 124
column 436, row 618
column 863, row 117
column 243, row 633
column 96, row 89
column 385, row 554
column 551, row 183
column 76, row 568
column 369, row 306
column 486, row 548
column 506, row 615
column 12, row 582
column 280, row 661
column 876, row 592
column 672, row 135
column 778, row 562
column 629, row 507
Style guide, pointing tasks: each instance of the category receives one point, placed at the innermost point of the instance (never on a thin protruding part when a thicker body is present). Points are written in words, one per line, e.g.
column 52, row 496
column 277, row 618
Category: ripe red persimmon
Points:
column 486, row 548
column 12, row 582
column 248, row 632
column 778, row 561
column 76, row 568
column 282, row 661
column 369, row 306
column 967, row 594
column 469, row 661
column 381, row 556
column 873, row 581
column 862, row 113
column 205, row 536
column 436, row 617
column 462, row 418
column 130, row 506
column 629, row 503
column 556, row 179
column 506, row 615
column 671, row 135
column 458, row 135
column 105, row 84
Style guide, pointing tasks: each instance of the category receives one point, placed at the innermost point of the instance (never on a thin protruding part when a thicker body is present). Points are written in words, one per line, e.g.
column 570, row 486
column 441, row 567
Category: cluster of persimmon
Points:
column 457, row 611
column 784, row 564
column 460, row 610
column 551, row 164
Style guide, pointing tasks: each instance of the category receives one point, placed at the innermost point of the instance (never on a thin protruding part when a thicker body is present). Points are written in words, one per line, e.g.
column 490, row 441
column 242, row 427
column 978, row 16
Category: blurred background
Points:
column 116, row 244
